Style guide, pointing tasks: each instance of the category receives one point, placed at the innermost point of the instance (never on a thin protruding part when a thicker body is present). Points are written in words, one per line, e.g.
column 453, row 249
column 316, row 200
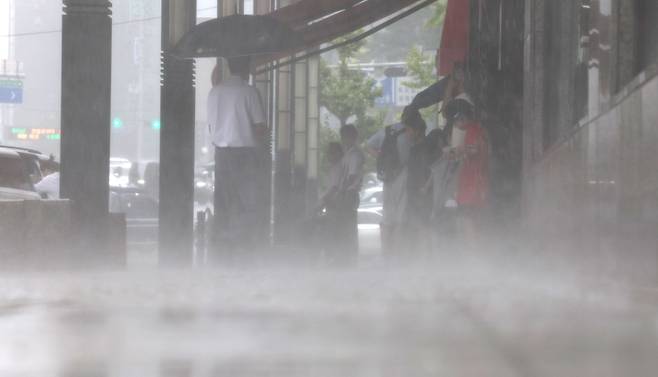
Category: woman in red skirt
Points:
column 472, row 194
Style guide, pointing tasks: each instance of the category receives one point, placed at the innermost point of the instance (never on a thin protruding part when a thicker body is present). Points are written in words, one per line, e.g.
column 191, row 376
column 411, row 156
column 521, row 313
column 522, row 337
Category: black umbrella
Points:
column 237, row 35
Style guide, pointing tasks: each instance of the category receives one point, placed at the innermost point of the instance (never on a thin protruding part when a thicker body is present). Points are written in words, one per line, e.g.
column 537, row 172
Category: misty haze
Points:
column 377, row 188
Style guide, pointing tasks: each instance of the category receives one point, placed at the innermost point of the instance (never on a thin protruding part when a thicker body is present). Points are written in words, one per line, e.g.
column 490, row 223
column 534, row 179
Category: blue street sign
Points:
column 11, row 91
column 388, row 92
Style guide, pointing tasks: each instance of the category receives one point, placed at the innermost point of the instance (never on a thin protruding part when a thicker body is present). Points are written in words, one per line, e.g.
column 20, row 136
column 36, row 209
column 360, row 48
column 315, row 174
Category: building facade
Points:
column 590, row 131
column 567, row 90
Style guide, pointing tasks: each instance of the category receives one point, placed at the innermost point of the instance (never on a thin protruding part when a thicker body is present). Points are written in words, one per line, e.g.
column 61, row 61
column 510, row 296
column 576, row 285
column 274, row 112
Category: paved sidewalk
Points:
column 455, row 320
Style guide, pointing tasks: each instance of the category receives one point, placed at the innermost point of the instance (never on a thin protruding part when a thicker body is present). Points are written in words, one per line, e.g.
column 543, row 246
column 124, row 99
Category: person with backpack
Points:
column 391, row 146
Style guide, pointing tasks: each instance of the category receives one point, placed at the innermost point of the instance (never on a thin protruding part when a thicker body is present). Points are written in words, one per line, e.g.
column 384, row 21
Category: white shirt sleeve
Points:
column 256, row 112
column 355, row 164
column 335, row 176
column 354, row 161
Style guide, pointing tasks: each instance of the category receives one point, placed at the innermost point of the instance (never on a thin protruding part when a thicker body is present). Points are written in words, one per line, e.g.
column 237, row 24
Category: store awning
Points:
column 454, row 38
column 351, row 19
column 321, row 21
column 304, row 12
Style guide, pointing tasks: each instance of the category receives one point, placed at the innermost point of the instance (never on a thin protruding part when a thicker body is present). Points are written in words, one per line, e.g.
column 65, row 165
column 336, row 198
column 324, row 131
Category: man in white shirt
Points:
column 237, row 127
column 350, row 186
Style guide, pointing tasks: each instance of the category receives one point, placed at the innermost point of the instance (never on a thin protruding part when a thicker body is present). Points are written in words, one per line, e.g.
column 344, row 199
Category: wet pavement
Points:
column 456, row 320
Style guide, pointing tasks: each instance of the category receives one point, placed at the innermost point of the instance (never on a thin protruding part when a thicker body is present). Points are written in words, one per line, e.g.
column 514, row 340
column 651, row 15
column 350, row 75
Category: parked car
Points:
column 204, row 184
column 369, row 225
column 120, row 172
column 371, row 180
column 372, row 197
column 141, row 212
column 15, row 181
column 35, row 161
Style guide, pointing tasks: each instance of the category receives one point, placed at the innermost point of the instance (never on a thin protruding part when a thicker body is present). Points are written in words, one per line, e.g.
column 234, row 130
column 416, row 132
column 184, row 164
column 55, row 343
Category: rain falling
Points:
column 377, row 188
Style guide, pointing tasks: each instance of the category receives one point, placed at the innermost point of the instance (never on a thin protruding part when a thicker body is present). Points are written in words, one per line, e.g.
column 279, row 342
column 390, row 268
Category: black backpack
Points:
column 388, row 159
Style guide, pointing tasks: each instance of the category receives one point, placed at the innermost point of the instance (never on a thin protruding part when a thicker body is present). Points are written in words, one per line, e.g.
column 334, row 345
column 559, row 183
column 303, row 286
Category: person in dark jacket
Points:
column 417, row 176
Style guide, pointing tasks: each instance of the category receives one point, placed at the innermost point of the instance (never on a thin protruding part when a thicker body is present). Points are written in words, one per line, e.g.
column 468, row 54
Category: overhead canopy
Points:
column 350, row 20
column 303, row 12
column 321, row 21
column 259, row 35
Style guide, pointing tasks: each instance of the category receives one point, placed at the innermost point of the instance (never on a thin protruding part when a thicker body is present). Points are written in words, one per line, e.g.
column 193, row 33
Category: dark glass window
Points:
column 552, row 64
column 647, row 53
column 581, row 94
column 13, row 173
column 637, row 40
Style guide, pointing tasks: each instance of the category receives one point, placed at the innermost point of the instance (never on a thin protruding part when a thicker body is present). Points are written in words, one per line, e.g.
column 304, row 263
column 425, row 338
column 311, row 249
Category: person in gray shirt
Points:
column 395, row 190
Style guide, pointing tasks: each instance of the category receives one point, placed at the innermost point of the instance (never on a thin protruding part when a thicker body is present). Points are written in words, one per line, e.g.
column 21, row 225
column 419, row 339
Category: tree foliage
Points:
column 421, row 70
column 438, row 14
column 327, row 136
column 392, row 43
column 420, row 67
column 347, row 92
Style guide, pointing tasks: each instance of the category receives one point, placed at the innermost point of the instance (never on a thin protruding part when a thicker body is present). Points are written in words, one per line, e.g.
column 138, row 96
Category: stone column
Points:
column 177, row 103
column 282, row 148
column 264, row 84
column 533, row 143
column 299, row 139
column 284, row 166
column 313, row 131
column 85, row 117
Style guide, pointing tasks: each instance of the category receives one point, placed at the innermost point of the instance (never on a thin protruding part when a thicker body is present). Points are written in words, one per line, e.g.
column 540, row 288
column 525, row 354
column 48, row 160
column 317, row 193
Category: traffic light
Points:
column 155, row 124
column 117, row 123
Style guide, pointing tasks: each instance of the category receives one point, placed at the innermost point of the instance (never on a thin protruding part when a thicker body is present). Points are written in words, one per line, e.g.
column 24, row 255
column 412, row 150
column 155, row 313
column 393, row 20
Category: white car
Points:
column 15, row 182
column 372, row 197
column 369, row 225
column 119, row 172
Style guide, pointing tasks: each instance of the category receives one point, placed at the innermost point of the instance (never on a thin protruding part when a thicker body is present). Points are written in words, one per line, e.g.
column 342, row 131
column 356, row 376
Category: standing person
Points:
column 326, row 223
column 391, row 147
column 237, row 126
column 441, row 186
column 417, row 214
column 473, row 177
column 335, row 158
column 350, row 187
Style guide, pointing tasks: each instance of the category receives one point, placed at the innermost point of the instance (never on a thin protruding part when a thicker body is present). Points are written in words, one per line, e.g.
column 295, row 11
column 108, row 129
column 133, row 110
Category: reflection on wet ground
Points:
column 456, row 320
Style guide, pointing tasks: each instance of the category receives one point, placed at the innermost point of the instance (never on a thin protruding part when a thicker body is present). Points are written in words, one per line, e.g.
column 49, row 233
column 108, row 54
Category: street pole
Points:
column 85, row 117
column 177, row 105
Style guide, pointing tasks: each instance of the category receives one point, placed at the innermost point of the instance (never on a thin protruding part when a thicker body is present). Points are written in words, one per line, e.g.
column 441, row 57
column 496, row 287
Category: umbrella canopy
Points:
column 237, row 35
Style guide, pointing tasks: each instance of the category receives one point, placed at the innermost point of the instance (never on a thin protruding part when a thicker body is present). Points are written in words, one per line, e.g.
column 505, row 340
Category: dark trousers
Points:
column 238, row 201
column 347, row 237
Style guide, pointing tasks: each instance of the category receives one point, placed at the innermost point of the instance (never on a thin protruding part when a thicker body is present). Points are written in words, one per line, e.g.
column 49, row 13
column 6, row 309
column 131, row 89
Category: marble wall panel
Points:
column 598, row 190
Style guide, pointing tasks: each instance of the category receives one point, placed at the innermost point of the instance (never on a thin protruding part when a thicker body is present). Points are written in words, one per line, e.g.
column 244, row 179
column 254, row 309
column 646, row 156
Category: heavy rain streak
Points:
column 328, row 188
